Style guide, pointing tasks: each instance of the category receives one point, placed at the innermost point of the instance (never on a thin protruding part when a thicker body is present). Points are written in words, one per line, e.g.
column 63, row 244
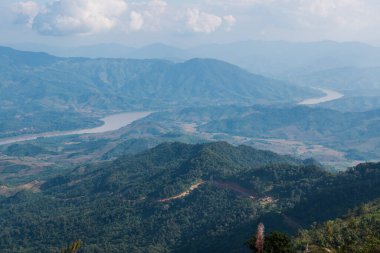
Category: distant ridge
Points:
column 9, row 56
column 281, row 59
column 36, row 83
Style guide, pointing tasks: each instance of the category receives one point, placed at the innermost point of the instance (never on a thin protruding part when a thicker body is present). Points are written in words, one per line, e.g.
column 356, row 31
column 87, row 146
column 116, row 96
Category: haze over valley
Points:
column 195, row 126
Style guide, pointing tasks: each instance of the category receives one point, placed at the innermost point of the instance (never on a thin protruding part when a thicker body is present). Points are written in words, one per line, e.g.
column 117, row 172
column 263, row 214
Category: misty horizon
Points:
column 166, row 126
column 186, row 23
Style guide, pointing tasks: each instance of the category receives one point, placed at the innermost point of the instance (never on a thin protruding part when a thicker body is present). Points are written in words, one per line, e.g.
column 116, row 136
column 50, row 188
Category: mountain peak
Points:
column 33, row 59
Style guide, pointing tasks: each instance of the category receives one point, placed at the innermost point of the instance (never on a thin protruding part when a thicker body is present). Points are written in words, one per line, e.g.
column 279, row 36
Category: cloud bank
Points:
column 263, row 19
column 86, row 17
column 27, row 11
column 79, row 16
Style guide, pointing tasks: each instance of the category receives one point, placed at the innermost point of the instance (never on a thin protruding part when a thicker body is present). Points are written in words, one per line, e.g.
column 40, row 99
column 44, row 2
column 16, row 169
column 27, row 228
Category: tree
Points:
column 260, row 238
column 277, row 242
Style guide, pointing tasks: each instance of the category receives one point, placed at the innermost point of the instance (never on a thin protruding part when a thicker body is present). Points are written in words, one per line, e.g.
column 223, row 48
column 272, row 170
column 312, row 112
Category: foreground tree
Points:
column 259, row 245
column 275, row 242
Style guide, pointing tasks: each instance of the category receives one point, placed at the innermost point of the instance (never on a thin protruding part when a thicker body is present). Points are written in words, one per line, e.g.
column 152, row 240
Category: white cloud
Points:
column 346, row 14
column 199, row 21
column 64, row 17
column 152, row 13
column 156, row 7
column 310, row 13
column 265, row 19
column 86, row 17
column 27, row 11
column 239, row 3
column 229, row 21
column 137, row 21
column 327, row 7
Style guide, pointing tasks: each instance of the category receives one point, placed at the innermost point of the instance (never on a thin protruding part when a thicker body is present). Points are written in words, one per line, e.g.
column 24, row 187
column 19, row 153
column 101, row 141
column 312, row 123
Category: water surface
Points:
column 330, row 95
column 110, row 123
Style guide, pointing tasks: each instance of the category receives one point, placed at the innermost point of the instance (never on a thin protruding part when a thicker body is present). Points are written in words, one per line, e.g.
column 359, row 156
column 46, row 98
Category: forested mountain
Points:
column 130, row 206
column 356, row 232
column 299, row 123
column 342, row 66
column 354, row 133
column 178, row 198
column 346, row 79
column 344, row 191
column 354, row 104
column 65, row 93
column 15, row 58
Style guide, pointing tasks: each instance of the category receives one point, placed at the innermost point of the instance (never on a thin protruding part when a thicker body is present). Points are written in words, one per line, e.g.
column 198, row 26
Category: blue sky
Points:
column 185, row 23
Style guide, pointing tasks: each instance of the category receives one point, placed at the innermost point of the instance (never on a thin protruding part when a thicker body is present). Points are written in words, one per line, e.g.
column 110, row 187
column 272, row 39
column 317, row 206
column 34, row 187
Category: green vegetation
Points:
column 116, row 206
column 118, row 196
column 27, row 149
column 24, row 119
column 275, row 242
column 345, row 79
column 355, row 104
column 339, row 193
column 49, row 93
column 353, row 133
column 357, row 232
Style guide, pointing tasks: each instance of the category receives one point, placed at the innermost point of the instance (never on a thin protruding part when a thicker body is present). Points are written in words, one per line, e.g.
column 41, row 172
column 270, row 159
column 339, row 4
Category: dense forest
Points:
column 356, row 232
column 180, row 198
column 354, row 133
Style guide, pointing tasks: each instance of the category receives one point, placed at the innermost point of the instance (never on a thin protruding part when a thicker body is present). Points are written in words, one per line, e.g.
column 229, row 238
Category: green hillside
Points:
column 359, row 231
column 321, row 133
column 180, row 198
column 130, row 204
column 43, row 93
column 338, row 194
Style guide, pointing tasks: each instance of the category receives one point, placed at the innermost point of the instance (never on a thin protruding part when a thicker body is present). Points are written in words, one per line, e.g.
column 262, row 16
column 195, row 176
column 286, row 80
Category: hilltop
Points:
column 179, row 198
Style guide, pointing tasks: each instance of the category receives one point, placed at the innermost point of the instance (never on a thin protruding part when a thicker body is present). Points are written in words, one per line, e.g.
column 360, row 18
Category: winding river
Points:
column 330, row 95
column 111, row 123
column 117, row 121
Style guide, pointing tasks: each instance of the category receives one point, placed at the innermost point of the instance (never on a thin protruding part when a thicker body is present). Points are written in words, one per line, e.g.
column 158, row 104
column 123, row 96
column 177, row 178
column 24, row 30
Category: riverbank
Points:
column 111, row 123
column 330, row 95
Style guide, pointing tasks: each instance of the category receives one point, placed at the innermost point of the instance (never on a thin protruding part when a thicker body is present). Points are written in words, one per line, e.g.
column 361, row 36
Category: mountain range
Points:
column 309, row 130
column 270, row 58
column 36, row 84
column 180, row 198
column 141, row 189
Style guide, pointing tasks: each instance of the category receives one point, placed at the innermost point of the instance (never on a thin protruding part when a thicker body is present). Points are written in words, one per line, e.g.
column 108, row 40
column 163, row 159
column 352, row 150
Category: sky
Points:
column 186, row 23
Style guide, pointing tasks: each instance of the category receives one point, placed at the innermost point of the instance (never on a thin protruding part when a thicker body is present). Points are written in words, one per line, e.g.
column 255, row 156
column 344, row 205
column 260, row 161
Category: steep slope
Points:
column 356, row 134
column 330, row 199
column 346, row 79
column 159, row 83
column 13, row 57
column 180, row 198
column 358, row 231
column 38, row 90
column 348, row 190
column 355, row 104
column 130, row 205
column 312, row 123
